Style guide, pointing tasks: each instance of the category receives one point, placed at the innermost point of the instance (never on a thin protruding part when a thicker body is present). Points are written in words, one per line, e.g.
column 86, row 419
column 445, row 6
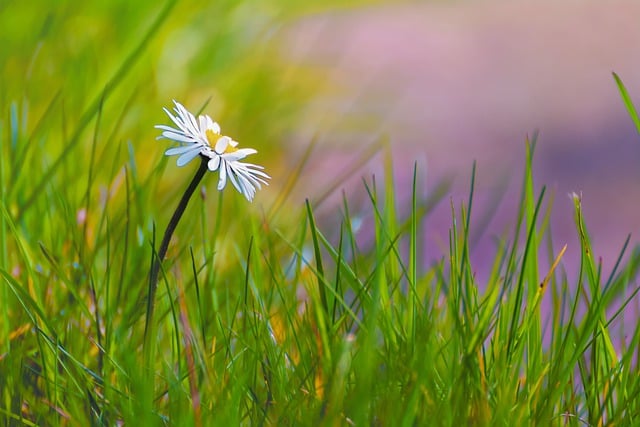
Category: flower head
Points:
column 203, row 137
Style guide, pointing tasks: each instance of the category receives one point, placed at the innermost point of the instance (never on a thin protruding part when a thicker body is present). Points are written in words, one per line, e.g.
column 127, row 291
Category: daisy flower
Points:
column 202, row 137
column 190, row 133
column 245, row 177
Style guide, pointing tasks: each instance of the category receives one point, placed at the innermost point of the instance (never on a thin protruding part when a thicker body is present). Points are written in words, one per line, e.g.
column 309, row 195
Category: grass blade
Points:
column 628, row 103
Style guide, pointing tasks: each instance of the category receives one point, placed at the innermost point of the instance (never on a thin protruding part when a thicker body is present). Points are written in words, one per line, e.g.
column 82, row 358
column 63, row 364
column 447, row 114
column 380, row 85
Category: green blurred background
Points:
column 83, row 83
column 62, row 62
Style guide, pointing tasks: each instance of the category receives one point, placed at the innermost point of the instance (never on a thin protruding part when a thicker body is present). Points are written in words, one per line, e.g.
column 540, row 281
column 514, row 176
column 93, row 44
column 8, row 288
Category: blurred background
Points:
column 445, row 82
column 453, row 82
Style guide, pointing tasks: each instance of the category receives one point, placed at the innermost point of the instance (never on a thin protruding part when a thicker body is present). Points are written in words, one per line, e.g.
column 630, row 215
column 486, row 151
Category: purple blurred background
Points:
column 454, row 82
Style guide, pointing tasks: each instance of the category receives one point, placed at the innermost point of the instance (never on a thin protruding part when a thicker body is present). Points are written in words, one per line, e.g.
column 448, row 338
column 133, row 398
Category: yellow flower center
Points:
column 230, row 149
column 212, row 136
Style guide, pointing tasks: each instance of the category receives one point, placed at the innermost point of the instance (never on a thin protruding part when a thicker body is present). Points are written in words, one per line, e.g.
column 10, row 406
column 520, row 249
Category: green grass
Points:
column 265, row 313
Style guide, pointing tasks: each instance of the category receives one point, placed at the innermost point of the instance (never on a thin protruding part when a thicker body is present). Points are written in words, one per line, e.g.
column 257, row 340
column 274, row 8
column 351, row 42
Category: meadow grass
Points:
column 265, row 314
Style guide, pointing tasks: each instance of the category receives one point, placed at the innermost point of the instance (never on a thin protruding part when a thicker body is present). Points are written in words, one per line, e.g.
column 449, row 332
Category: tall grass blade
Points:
column 628, row 103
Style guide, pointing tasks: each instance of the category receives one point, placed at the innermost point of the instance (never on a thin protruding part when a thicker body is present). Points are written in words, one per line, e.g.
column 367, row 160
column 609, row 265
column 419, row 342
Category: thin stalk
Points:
column 164, row 245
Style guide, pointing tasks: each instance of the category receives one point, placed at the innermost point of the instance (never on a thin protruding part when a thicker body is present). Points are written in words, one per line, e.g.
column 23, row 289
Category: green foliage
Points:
column 262, row 317
column 626, row 99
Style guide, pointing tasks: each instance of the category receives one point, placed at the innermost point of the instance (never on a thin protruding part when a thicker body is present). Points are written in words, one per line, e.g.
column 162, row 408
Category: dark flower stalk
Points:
column 164, row 245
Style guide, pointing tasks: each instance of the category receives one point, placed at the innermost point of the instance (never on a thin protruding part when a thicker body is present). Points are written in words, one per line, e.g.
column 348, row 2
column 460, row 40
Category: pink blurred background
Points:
column 454, row 82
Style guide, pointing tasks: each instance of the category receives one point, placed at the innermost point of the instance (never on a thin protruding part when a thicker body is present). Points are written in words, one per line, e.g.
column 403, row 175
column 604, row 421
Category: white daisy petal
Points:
column 252, row 179
column 189, row 121
column 214, row 163
column 254, row 182
column 223, row 176
column 187, row 157
column 180, row 123
column 193, row 122
column 259, row 182
column 239, row 154
column 247, row 182
column 249, row 190
column 177, row 137
column 213, row 126
column 252, row 166
column 260, row 174
column 181, row 150
column 221, row 144
column 232, row 177
column 202, row 124
column 165, row 127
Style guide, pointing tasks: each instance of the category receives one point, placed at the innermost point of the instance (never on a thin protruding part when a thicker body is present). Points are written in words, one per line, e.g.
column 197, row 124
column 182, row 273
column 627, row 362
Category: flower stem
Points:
column 164, row 245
